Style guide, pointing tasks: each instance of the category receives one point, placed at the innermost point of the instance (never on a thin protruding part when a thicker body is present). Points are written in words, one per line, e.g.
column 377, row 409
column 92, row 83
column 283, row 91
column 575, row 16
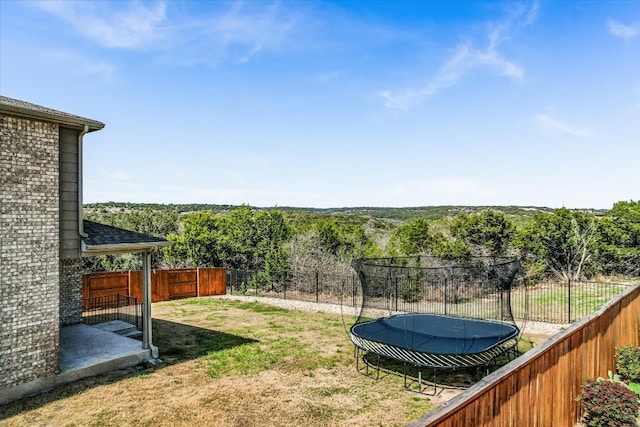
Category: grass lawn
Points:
column 232, row 363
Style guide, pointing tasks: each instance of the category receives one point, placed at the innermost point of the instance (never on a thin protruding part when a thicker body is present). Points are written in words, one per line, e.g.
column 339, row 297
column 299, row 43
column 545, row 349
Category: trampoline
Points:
column 428, row 312
column 435, row 341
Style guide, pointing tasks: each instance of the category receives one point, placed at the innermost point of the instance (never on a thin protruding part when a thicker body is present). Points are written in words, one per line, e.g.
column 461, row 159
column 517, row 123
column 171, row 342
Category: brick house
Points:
column 43, row 238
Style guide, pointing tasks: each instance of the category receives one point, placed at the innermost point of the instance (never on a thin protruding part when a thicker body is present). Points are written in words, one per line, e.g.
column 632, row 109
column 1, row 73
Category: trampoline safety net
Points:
column 477, row 288
column 430, row 312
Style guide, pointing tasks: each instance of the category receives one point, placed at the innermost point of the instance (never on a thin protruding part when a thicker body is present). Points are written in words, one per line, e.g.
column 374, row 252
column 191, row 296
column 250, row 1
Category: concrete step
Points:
column 119, row 327
column 130, row 333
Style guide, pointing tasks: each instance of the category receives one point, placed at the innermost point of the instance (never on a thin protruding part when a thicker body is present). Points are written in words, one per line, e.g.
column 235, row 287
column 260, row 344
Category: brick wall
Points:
column 71, row 291
column 29, row 250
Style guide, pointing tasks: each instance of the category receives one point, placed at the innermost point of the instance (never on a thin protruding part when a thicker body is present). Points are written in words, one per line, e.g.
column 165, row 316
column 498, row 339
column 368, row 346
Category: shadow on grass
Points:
column 452, row 378
column 176, row 342
column 445, row 378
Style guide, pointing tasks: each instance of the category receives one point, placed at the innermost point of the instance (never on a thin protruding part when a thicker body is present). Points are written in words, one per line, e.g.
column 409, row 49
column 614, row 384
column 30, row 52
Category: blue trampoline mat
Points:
column 436, row 334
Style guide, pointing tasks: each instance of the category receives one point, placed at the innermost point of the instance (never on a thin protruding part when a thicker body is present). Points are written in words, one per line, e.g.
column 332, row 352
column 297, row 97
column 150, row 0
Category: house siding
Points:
column 69, row 173
column 29, row 250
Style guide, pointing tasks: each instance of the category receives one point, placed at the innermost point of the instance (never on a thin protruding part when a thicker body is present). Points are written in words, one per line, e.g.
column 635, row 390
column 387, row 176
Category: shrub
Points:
column 608, row 403
column 628, row 363
column 410, row 294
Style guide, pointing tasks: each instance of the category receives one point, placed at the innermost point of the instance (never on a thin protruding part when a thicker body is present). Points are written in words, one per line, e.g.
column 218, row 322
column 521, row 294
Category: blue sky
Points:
column 333, row 104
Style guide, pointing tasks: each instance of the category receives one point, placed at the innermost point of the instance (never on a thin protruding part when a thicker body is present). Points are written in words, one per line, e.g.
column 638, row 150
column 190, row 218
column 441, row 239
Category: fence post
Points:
column 317, row 287
column 446, row 280
column 197, row 281
column 501, row 301
column 396, row 292
column 569, row 298
column 285, row 280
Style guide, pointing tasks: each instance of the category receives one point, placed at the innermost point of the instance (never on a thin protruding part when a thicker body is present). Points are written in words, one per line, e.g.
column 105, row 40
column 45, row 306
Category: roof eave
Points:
column 93, row 250
column 64, row 120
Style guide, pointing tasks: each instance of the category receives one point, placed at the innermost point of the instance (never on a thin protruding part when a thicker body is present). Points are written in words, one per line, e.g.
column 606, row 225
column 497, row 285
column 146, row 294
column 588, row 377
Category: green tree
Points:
column 158, row 223
column 488, row 232
column 328, row 245
column 272, row 234
column 419, row 236
column 619, row 239
column 413, row 237
column 560, row 244
column 244, row 238
column 198, row 244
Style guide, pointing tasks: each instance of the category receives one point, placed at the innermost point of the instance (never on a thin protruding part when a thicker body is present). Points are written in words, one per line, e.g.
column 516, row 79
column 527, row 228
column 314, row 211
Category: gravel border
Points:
column 527, row 327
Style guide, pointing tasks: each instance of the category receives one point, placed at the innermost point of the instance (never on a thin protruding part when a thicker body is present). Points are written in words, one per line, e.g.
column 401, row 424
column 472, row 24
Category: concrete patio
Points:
column 85, row 351
column 89, row 350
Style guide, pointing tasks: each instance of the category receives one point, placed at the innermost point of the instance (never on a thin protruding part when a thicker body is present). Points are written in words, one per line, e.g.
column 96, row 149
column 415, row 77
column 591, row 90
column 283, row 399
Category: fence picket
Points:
column 165, row 284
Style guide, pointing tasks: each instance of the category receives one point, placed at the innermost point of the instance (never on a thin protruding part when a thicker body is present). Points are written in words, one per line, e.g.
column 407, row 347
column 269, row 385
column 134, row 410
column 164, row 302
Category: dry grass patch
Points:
column 234, row 363
column 230, row 363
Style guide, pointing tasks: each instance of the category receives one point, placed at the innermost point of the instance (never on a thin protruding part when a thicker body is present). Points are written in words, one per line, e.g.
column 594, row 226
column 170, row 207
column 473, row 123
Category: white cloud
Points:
column 216, row 35
column 623, row 31
column 235, row 35
column 81, row 64
column 548, row 123
column 466, row 59
column 133, row 25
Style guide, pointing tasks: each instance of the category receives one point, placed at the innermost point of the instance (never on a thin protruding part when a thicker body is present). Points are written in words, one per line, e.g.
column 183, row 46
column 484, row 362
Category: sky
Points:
column 340, row 103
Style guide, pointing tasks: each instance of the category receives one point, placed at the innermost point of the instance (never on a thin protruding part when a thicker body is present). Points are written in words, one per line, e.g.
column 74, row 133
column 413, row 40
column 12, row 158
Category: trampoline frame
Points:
column 436, row 360
column 429, row 360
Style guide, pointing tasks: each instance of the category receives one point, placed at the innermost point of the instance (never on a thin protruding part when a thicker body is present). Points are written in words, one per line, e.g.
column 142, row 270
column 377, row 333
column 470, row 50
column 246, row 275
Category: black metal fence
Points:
column 311, row 287
column 544, row 302
column 106, row 308
column 562, row 302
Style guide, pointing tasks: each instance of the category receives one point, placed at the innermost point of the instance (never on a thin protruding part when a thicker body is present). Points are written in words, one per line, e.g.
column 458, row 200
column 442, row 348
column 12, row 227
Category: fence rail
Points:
column 544, row 302
column 562, row 302
column 105, row 308
column 312, row 287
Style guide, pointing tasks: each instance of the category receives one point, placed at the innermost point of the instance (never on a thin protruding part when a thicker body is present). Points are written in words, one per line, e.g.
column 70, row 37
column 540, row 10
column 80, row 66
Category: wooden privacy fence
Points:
column 540, row 388
column 165, row 284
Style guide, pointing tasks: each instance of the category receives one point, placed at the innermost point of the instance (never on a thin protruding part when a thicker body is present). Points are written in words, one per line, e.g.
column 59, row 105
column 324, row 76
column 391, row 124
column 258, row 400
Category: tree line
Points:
column 561, row 244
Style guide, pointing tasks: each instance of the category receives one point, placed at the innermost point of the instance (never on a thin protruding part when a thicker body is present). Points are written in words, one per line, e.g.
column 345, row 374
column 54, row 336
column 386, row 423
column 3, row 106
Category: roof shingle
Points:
column 103, row 237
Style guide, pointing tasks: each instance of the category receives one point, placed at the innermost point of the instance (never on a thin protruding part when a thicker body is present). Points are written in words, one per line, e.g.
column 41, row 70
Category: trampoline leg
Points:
column 404, row 371
column 366, row 364
column 357, row 352
column 378, row 369
column 435, row 384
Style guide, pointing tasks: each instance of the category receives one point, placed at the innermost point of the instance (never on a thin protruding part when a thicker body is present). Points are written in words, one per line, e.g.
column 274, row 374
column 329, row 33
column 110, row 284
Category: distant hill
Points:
column 378, row 223
column 428, row 212
column 519, row 214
